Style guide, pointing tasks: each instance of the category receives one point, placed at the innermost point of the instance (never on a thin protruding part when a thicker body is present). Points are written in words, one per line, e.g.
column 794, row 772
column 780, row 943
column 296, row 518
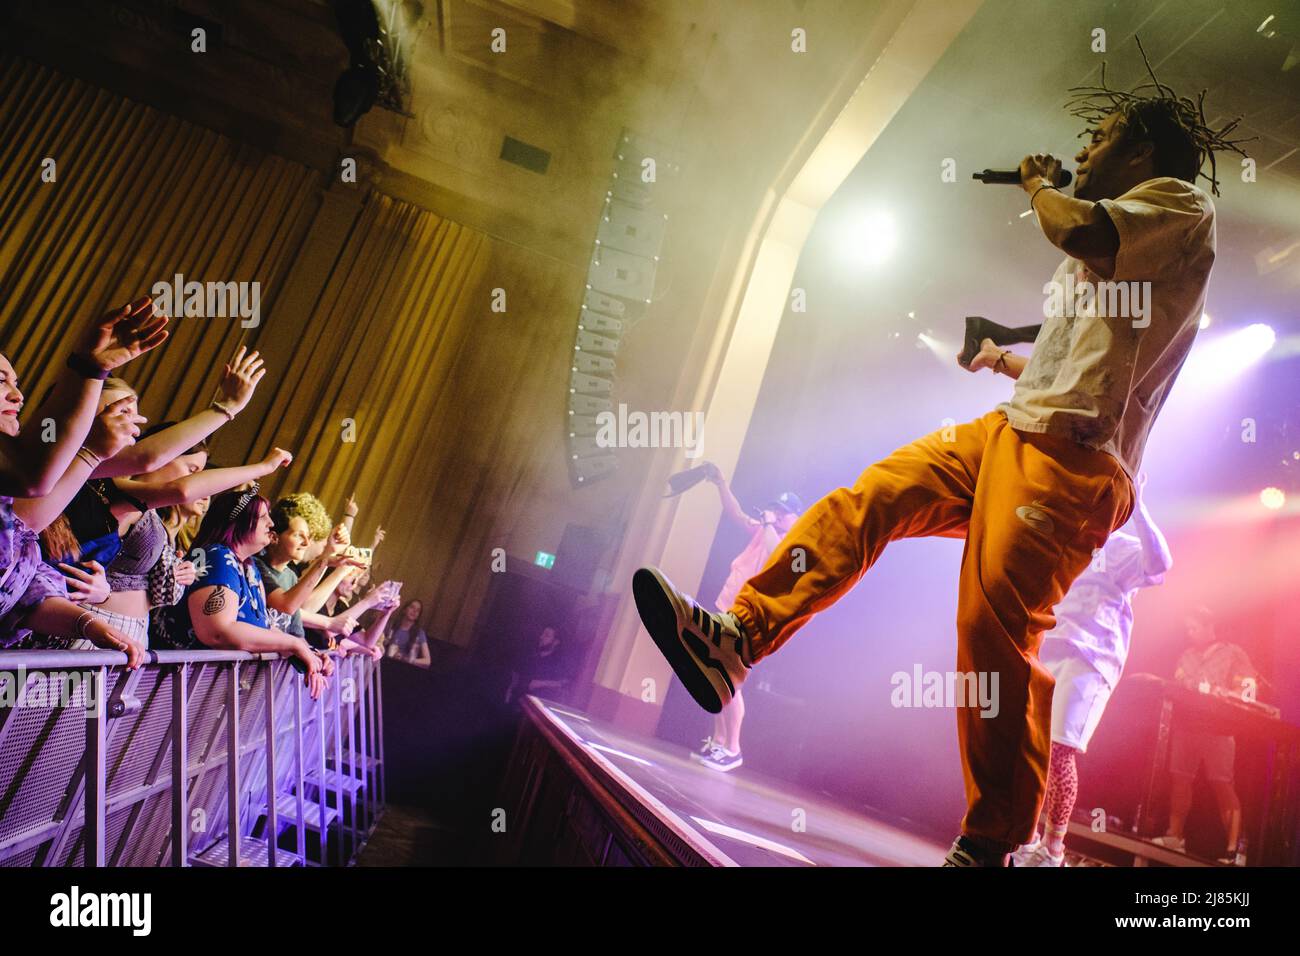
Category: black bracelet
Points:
column 1039, row 190
column 85, row 367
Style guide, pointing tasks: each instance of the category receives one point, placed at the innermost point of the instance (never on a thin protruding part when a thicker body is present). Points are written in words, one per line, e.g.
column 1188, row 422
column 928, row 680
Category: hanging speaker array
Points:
column 620, row 285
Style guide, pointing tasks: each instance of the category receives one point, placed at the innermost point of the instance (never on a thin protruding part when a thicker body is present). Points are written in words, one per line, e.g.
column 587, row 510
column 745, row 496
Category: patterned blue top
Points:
column 27, row 580
column 217, row 566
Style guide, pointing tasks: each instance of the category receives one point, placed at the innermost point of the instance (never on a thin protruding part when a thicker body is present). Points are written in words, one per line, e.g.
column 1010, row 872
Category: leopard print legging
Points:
column 1062, row 791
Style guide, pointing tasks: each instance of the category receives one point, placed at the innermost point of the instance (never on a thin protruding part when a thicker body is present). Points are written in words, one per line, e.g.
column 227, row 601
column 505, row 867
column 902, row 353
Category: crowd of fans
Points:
column 118, row 536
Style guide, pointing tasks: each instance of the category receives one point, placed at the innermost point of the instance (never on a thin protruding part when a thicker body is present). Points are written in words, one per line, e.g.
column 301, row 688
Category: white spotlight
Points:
column 869, row 239
column 1273, row 498
column 1227, row 356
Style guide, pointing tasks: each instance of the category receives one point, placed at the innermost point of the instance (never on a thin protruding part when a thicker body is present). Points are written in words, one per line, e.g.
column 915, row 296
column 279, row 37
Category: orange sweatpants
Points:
column 1032, row 509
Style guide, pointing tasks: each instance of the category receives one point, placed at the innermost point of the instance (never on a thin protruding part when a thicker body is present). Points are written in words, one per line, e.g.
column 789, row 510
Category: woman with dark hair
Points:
column 406, row 640
column 225, row 608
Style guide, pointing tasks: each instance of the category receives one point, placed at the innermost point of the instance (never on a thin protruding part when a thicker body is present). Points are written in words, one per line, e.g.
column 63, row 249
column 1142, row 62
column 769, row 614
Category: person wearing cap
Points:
column 721, row 749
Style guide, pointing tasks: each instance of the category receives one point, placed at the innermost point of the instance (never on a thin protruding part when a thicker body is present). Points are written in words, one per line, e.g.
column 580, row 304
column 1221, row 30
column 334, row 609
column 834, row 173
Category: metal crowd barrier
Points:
column 197, row 758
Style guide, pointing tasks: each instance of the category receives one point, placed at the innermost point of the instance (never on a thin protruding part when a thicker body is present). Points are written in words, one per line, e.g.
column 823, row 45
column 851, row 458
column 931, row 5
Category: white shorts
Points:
column 1078, row 701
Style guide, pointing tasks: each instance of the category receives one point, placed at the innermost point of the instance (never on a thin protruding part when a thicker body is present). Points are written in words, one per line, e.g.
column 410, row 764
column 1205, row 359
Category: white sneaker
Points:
column 707, row 650
column 705, row 747
column 1177, row 844
column 721, row 759
column 1036, row 854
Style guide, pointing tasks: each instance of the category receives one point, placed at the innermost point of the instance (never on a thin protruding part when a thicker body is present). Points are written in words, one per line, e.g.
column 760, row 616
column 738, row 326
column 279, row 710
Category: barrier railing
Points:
column 197, row 758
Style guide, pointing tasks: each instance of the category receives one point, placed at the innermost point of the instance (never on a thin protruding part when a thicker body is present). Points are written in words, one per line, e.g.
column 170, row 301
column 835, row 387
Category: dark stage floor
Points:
column 741, row 818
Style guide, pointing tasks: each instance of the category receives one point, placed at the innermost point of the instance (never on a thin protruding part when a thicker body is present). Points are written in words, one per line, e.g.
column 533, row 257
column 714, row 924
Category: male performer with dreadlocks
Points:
column 1034, row 486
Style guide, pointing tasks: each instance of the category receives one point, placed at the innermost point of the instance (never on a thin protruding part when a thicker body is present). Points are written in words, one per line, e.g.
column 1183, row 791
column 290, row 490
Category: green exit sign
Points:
column 544, row 560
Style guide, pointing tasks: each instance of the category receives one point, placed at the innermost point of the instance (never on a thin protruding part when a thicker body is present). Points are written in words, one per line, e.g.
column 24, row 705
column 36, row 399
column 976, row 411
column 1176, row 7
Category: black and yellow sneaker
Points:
column 708, row 651
column 966, row 853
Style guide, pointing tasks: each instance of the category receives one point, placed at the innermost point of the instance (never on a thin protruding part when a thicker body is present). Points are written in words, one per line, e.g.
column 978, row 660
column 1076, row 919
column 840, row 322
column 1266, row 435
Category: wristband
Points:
column 217, row 406
column 1037, row 191
column 85, row 367
column 81, row 624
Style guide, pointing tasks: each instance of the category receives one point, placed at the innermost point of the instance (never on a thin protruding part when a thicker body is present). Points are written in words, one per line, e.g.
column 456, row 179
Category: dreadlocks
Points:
column 1174, row 125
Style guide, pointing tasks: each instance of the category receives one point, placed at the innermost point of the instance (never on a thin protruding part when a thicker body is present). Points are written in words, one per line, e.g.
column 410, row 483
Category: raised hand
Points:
column 126, row 333
column 1039, row 166
column 278, row 457
column 239, row 380
column 350, row 506
column 339, row 541
column 114, row 428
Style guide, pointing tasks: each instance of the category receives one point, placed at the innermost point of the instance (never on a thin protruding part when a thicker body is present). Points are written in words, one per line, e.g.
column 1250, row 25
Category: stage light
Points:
column 1205, row 320
column 1272, row 498
column 869, row 239
column 942, row 351
column 1220, row 359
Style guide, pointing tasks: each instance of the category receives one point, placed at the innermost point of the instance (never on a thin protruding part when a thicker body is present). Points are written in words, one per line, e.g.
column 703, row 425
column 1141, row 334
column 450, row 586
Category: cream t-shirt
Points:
column 1103, row 363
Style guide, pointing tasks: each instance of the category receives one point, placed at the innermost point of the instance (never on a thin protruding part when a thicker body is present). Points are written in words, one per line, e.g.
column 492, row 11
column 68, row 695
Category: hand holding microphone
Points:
column 1040, row 168
column 1032, row 169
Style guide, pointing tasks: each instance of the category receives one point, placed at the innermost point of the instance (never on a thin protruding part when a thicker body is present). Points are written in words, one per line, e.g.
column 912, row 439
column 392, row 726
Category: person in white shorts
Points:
column 1085, row 653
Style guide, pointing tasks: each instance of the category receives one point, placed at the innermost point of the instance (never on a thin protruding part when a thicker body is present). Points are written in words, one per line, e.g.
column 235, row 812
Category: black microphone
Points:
column 1011, row 177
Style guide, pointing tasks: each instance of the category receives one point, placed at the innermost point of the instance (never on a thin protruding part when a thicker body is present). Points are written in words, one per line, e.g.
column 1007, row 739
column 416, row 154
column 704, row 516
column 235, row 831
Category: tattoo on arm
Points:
column 216, row 602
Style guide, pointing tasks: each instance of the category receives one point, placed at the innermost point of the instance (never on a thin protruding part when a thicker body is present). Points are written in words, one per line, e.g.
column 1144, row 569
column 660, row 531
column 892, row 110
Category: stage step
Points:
column 369, row 763
column 286, row 807
column 333, row 782
column 252, row 852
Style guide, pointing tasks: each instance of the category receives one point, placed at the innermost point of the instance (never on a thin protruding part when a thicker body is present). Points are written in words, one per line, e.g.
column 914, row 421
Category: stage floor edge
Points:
column 582, row 791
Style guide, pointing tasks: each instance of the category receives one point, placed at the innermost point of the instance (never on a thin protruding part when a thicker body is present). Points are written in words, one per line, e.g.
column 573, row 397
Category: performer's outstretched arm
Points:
column 1156, row 556
column 730, row 505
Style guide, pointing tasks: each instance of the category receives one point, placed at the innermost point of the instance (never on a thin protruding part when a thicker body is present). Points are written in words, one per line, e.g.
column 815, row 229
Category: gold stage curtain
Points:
column 138, row 197
column 375, row 399
column 388, row 373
